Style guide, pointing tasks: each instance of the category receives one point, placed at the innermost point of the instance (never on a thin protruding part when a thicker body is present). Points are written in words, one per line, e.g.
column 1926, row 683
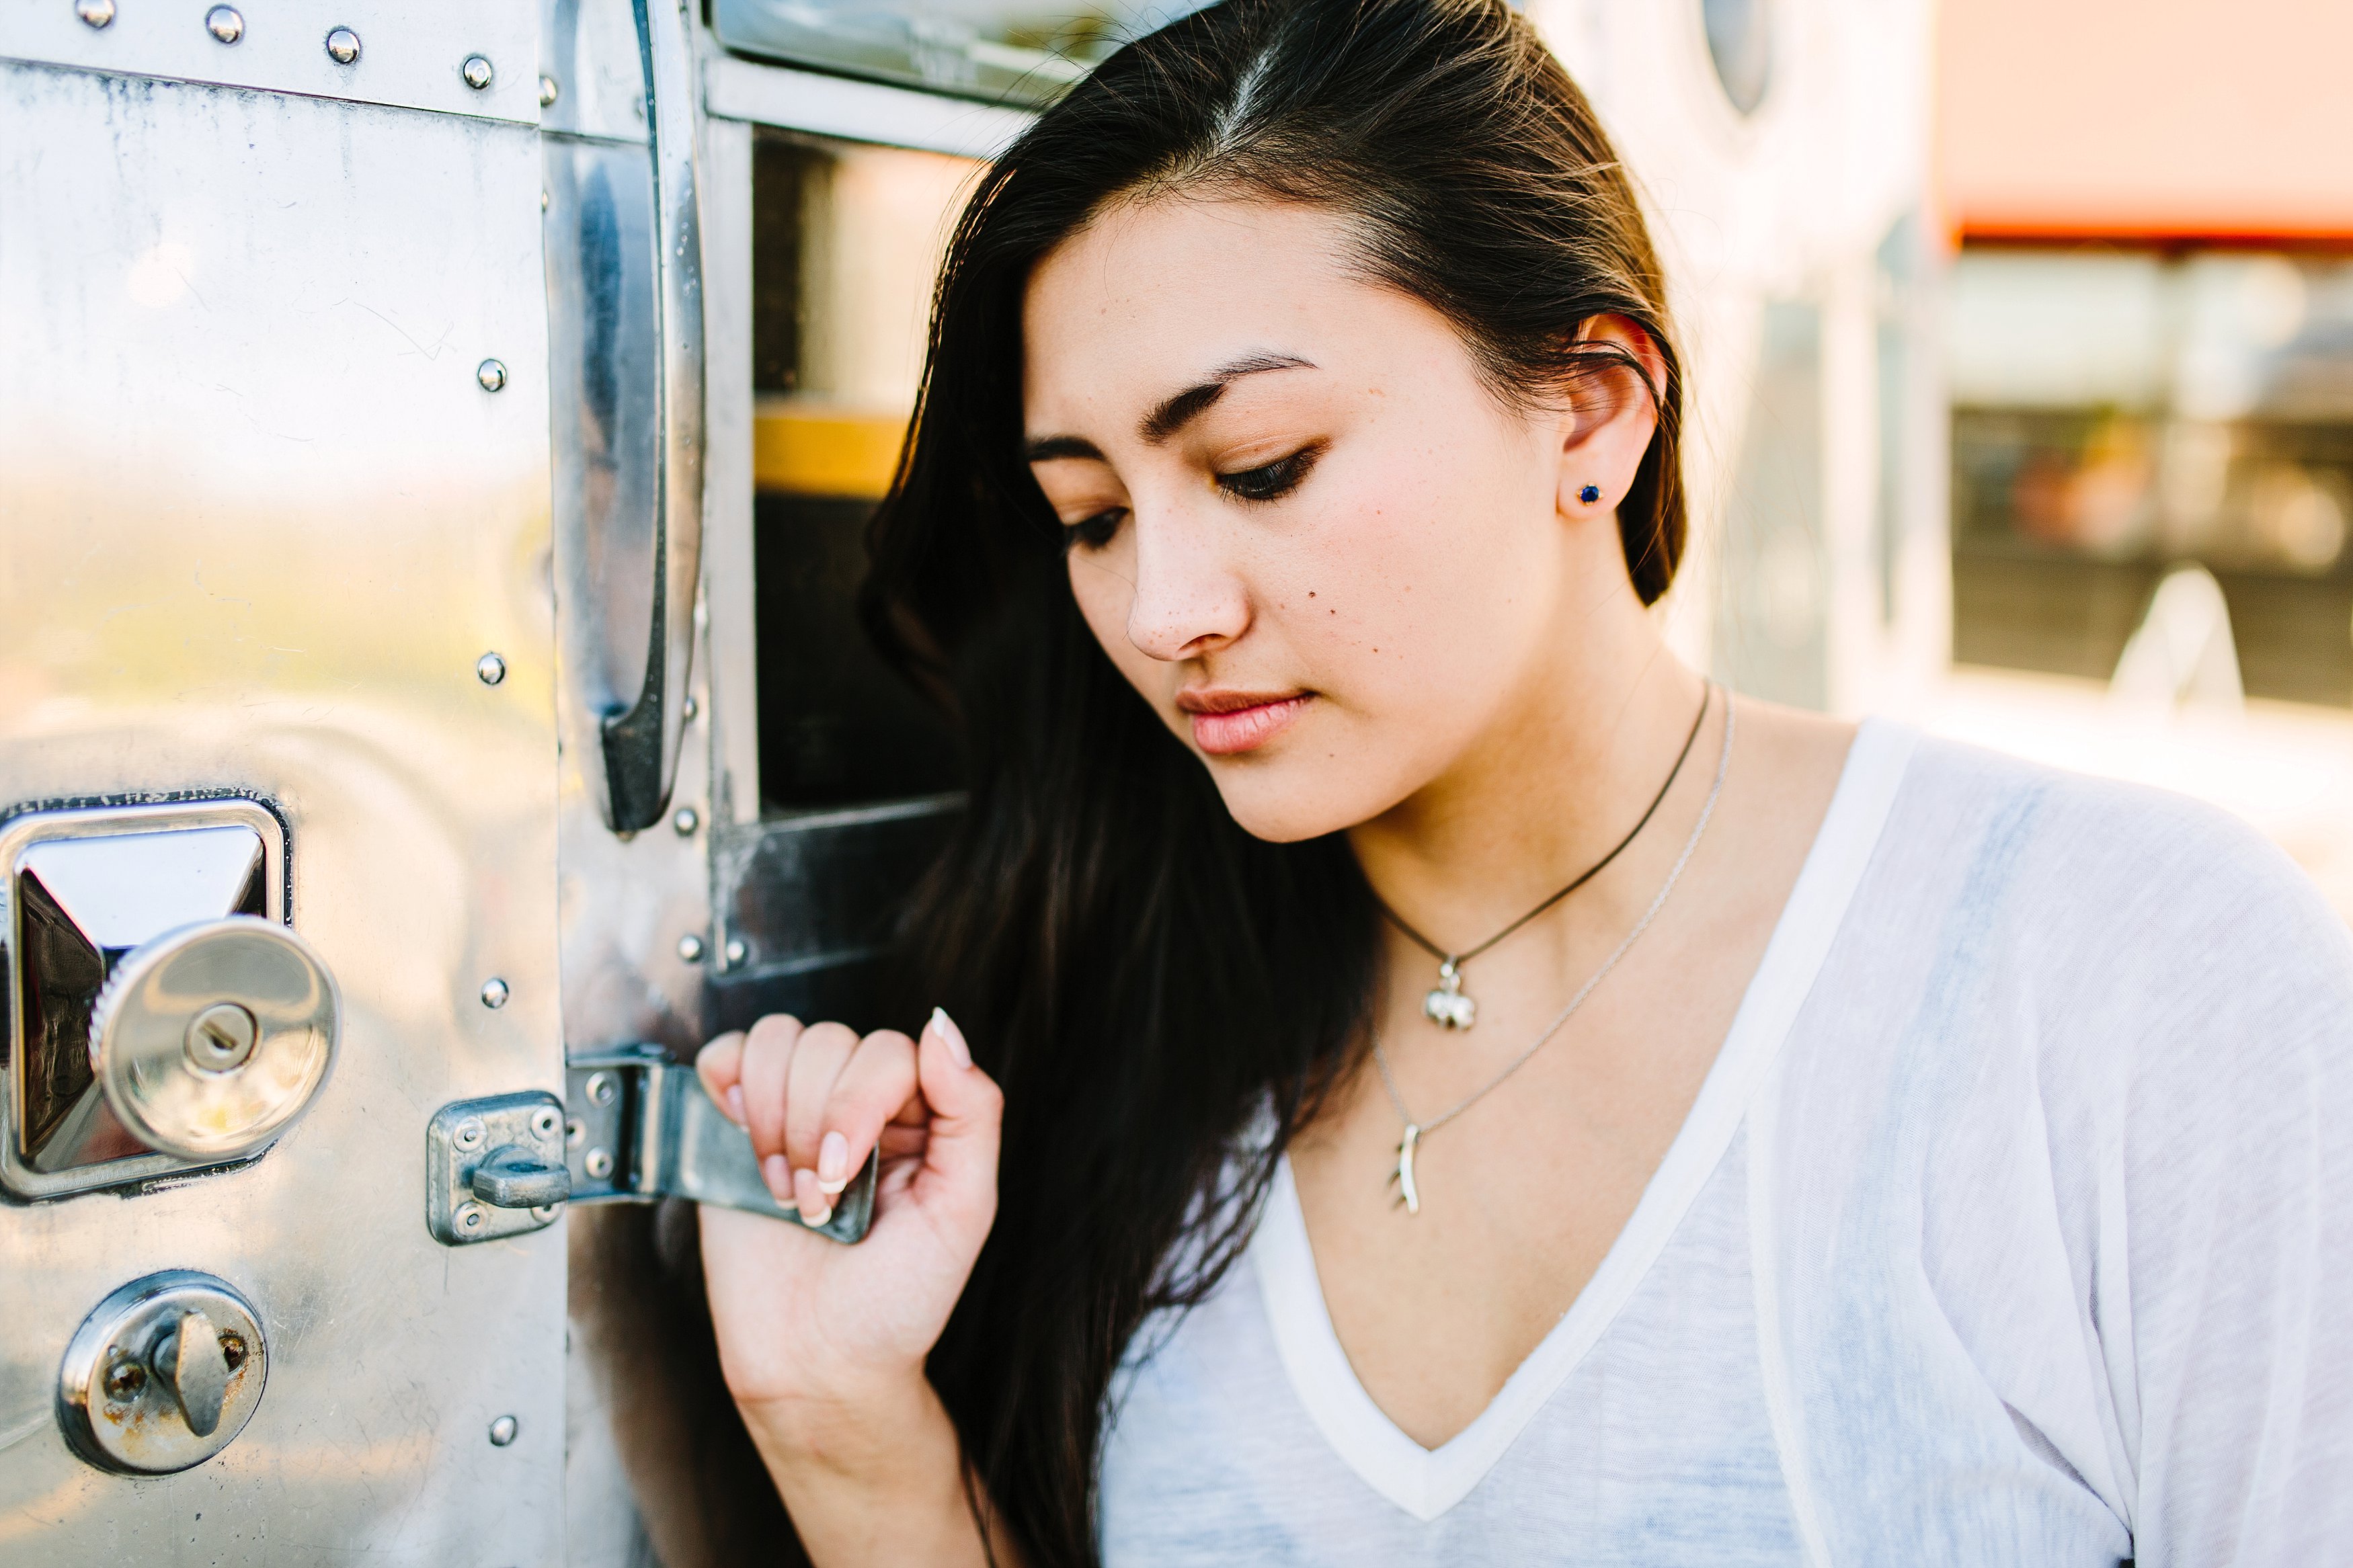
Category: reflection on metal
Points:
column 859, row 110
column 343, row 45
column 647, row 1130
column 478, row 72
column 162, row 1374
column 589, row 50
column 491, row 373
column 85, row 892
column 494, row 1168
column 260, row 526
column 494, row 993
column 642, row 743
column 411, row 46
column 547, row 91
column 489, row 669
column 210, row 1040
column 821, row 890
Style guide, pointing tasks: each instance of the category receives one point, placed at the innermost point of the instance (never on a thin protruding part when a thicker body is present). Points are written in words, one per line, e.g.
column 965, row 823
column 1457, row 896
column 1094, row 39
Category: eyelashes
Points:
column 1255, row 486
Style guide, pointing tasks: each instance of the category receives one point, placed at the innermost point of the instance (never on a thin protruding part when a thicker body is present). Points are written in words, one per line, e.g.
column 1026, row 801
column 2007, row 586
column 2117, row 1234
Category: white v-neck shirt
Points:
column 2013, row 1225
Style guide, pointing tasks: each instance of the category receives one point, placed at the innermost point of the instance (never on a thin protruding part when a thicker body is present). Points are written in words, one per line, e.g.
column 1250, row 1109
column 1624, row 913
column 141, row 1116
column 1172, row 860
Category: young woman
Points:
column 1425, row 1076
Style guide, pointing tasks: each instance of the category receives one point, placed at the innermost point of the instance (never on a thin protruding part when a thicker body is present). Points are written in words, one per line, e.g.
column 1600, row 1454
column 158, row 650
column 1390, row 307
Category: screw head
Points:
column 544, row 1121
column 503, row 1430
column 690, row 948
column 601, row 1090
column 343, row 45
column 598, row 1164
column 494, row 993
column 221, row 1038
column 124, row 1380
column 469, row 1133
column 489, row 669
column 477, row 72
column 547, row 91
column 736, row 952
column 491, row 373
column 95, row 13
column 224, row 23
column 686, row 821
column 470, row 1216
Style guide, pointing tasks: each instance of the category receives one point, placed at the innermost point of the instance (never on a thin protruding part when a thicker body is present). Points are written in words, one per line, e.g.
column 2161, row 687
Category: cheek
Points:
column 1105, row 594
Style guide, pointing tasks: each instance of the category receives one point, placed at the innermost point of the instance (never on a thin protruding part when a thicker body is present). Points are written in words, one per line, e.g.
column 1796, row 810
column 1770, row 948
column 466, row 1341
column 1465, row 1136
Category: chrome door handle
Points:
column 641, row 741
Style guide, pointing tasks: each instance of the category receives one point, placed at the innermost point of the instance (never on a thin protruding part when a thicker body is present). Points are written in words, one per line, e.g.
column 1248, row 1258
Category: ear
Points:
column 1610, row 419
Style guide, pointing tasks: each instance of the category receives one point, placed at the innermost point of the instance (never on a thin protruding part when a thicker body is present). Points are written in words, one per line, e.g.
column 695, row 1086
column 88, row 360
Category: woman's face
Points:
column 1300, row 525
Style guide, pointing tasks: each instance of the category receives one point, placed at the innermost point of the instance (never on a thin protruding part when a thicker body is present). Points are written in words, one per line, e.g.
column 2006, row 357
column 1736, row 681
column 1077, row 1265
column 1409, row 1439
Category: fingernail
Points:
column 816, row 1220
column 832, row 1161
column 778, row 1174
column 735, row 1103
column 951, row 1037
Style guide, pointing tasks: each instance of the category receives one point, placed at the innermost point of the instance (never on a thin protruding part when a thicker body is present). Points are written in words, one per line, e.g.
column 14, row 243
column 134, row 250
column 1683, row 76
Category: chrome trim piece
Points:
column 858, row 111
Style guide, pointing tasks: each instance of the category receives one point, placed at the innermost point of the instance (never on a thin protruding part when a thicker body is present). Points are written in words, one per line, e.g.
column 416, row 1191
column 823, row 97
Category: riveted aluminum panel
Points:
column 260, row 519
column 411, row 51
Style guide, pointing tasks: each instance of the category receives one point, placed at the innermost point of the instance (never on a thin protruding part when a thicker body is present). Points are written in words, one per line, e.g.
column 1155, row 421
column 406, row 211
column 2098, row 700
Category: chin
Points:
column 1284, row 802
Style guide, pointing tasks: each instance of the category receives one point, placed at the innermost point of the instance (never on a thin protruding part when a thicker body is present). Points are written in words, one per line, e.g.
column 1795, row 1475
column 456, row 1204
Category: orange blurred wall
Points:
column 2154, row 120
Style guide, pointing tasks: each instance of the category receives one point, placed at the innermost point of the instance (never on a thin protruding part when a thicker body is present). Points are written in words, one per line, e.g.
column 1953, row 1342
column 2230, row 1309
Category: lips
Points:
column 1228, row 723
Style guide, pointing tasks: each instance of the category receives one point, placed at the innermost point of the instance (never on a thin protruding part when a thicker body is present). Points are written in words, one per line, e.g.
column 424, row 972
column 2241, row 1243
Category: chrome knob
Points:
column 211, row 1039
column 162, row 1374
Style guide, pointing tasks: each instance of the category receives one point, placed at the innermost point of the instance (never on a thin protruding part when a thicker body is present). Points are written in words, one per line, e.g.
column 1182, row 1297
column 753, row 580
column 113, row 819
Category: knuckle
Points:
column 776, row 1029
column 830, row 1035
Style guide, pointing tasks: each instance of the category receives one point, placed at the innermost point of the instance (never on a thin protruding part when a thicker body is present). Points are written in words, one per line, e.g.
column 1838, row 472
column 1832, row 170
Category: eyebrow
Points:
column 1172, row 414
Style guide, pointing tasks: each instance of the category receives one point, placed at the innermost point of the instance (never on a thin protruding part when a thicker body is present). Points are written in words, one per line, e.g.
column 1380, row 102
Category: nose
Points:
column 1190, row 598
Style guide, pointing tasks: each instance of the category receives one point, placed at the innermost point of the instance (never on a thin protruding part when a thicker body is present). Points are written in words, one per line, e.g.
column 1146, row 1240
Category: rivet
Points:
column 546, row 92
column 544, row 1121
column 736, row 952
column 471, row 1215
column 576, row 1133
column 543, row 1213
column 96, row 13
column 543, row 201
column 690, row 948
column 489, row 669
column 502, row 1431
column 600, row 1089
column 686, row 821
column 471, row 1133
column 343, row 45
column 223, row 23
column 598, row 1164
column 477, row 72
column 692, row 707
column 491, row 373
column 494, row 993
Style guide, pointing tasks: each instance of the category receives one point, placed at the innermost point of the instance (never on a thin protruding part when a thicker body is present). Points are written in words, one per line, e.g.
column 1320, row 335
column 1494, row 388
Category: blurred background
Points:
column 2022, row 346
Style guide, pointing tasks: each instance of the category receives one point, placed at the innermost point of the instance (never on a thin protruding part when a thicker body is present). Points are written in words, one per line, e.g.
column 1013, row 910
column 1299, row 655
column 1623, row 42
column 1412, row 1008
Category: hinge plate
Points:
column 461, row 1138
column 640, row 1127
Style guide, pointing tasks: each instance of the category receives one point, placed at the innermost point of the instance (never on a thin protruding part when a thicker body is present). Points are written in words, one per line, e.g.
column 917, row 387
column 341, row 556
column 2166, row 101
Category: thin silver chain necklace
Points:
column 1402, row 1178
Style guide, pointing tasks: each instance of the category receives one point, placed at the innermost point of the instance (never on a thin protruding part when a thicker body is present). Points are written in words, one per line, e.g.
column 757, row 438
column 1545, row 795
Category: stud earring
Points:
column 1589, row 494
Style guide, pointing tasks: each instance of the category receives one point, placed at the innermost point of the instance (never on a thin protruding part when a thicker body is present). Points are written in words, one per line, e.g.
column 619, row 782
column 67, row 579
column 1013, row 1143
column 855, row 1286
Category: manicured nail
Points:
column 778, row 1174
column 817, row 1221
column 735, row 1103
column 951, row 1037
column 814, row 1209
column 832, row 1164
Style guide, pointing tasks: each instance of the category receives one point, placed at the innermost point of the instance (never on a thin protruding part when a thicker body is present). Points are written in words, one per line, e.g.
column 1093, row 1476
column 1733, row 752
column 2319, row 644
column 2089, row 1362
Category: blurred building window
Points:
column 2118, row 413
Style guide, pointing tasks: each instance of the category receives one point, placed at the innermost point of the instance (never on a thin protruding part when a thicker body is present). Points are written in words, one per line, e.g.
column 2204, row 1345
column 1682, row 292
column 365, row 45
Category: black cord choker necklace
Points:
column 1447, row 1004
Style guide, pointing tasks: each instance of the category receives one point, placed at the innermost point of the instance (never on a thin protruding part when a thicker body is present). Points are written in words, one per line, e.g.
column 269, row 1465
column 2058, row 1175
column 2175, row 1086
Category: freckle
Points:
column 1310, row 593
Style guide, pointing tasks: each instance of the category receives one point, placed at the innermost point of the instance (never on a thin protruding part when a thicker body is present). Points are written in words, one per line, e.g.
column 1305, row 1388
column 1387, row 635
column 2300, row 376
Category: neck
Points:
column 1574, row 754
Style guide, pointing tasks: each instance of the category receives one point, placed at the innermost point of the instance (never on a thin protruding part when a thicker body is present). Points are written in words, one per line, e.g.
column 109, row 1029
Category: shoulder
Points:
column 2115, row 909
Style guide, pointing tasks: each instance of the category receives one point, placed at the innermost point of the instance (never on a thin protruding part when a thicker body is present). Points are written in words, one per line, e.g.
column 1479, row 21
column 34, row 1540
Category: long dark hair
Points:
column 1141, row 974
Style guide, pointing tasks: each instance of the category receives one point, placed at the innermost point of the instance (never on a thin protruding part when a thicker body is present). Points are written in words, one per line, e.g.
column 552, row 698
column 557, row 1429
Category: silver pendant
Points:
column 1447, row 1007
column 1402, row 1178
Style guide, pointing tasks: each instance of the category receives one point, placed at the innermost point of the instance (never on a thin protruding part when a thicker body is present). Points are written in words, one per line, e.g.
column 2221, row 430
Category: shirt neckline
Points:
column 1426, row 1482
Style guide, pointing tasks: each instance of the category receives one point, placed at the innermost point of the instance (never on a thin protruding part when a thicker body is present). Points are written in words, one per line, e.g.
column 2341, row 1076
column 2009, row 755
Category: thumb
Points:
column 967, row 1110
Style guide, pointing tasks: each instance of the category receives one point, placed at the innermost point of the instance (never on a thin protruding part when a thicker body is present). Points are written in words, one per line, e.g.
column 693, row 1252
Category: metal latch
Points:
column 635, row 1126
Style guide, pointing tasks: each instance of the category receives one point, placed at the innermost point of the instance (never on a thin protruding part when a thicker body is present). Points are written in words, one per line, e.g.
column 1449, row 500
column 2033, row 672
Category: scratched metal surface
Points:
column 257, row 520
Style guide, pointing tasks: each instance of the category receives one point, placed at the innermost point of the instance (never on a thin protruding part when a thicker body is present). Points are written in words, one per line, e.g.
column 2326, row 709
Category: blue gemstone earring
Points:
column 1589, row 494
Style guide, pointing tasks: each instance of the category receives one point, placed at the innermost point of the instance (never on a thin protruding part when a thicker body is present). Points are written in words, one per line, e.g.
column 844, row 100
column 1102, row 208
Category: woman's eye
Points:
column 1093, row 532
column 1270, row 482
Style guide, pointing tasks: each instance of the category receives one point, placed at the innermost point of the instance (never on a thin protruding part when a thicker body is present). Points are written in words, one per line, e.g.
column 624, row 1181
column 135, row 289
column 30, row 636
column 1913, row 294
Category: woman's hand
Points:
column 811, row 1332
